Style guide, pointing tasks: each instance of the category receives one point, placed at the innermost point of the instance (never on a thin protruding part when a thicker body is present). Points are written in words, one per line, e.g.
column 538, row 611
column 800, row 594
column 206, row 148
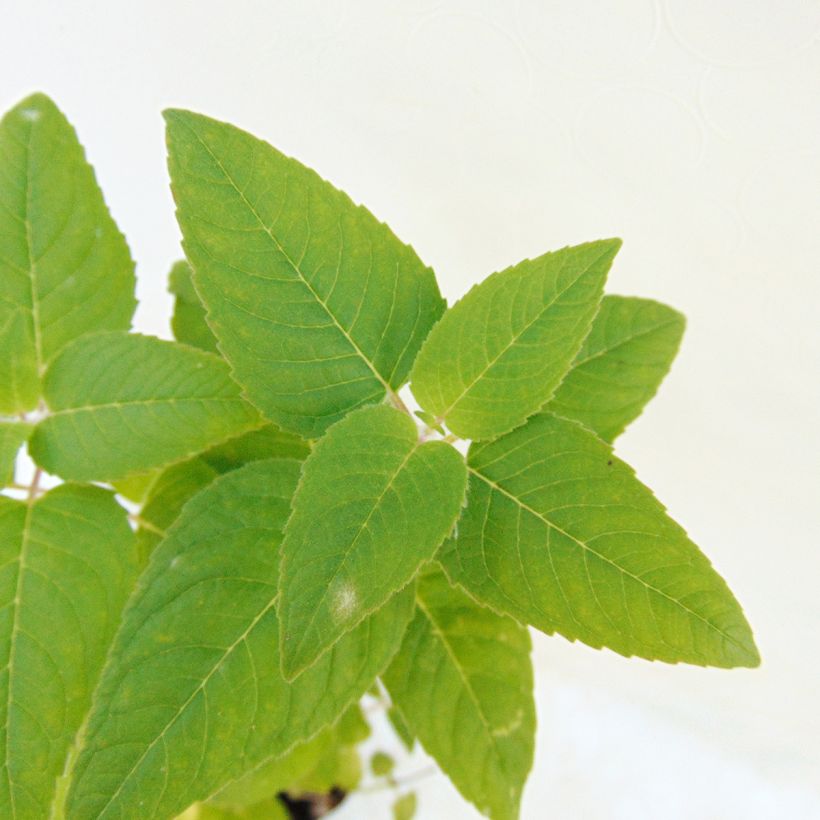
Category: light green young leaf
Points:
column 13, row 434
column 463, row 681
column 188, row 322
column 191, row 696
column 68, row 564
column 498, row 354
column 381, row 764
column 123, row 403
column 624, row 359
column 373, row 505
column 560, row 534
column 318, row 307
column 405, row 807
column 65, row 267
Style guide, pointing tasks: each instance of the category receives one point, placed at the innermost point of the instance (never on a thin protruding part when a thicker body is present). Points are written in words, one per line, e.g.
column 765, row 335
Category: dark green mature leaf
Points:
column 191, row 696
column 499, row 353
column 318, row 307
column 624, row 359
column 560, row 534
column 373, row 505
column 68, row 564
column 13, row 435
column 65, row 267
column 188, row 322
column 463, row 681
column 123, row 403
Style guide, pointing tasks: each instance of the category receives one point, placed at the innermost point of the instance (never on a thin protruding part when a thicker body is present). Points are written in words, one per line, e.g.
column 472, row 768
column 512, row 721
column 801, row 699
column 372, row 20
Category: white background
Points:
column 487, row 132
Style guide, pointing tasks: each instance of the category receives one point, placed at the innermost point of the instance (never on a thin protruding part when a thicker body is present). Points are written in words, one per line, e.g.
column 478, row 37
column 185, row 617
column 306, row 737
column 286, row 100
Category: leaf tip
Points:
column 34, row 107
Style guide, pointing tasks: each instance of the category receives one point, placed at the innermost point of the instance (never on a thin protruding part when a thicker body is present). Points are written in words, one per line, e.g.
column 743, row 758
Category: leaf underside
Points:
column 560, row 534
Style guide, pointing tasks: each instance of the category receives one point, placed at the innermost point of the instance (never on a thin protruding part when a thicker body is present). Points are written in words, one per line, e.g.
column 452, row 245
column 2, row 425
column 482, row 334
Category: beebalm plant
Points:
column 253, row 532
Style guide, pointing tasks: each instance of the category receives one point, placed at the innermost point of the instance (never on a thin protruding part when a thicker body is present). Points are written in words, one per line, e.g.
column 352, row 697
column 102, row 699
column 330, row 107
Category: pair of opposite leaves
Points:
column 343, row 347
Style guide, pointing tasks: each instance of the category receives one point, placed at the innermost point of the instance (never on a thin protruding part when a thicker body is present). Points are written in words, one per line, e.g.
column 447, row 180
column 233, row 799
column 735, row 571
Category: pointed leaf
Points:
column 498, row 354
column 188, row 322
column 191, row 696
column 405, row 807
column 561, row 535
column 318, row 307
column 13, row 434
column 68, row 565
column 373, row 505
column 176, row 484
column 463, row 681
column 65, row 267
column 123, row 403
column 624, row 359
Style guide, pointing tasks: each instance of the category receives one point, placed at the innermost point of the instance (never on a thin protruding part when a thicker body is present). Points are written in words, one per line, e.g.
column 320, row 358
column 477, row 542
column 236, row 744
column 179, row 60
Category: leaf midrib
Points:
column 199, row 688
column 606, row 560
column 376, row 503
column 437, row 632
column 113, row 405
column 291, row 262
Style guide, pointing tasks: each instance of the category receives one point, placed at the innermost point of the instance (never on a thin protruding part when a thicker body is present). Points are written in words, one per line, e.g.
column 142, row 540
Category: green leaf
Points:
column 373, row 505
column 624, row 359
column 405, row 807
column 268, row 441
column 68, row 565
column 172, row 489
column 318, row 307
column 176, row 484
column 188, row 322
column 315, row 766
column 401, row 728
column 13, row 434
column 381, row 764
column 136, row 486
column 560, row 534
column 65, row 267
column 463, row 681
column 499, row 353
column 270, row 809
column 191, row 696
column 123, row 403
